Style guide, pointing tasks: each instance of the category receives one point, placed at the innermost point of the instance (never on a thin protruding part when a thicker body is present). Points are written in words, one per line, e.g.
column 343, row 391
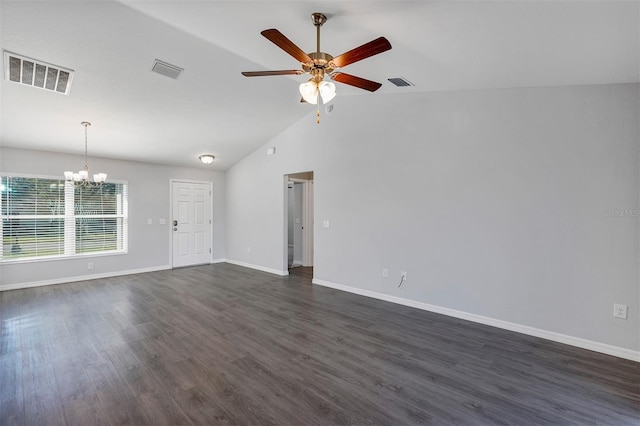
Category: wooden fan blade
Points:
column 359, row 82
column 287, row 45
column 264, row 73
column 374, row 47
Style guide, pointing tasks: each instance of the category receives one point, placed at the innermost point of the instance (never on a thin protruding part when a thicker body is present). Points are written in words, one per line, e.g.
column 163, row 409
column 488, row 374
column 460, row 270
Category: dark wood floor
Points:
column 221, row 344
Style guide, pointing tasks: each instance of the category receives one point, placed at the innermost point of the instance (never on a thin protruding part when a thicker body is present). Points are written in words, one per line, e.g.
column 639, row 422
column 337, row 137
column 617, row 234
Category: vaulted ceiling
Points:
column 212, row 108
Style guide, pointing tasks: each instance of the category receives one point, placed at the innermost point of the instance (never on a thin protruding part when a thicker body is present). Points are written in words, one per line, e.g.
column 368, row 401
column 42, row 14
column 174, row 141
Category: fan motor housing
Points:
column 320, row 60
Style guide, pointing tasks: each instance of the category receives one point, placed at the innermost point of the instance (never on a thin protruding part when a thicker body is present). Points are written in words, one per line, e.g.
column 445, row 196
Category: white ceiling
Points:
column 211, row 108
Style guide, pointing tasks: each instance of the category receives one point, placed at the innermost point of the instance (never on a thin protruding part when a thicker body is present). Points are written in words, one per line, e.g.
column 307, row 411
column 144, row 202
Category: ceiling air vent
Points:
column 32, row 72
column 166, row 69
column 400, row 81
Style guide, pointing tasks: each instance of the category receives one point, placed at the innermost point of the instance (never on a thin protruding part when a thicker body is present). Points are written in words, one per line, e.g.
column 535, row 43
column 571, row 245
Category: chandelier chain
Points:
column 86, row 161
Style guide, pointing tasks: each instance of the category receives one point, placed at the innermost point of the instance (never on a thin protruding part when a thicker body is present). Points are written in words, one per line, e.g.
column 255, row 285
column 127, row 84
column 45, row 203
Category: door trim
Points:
column 308, row 237
column 170, row 220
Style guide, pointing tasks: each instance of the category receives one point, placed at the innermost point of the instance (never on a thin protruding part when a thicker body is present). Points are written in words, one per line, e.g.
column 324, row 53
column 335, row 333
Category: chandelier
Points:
column 82, row 177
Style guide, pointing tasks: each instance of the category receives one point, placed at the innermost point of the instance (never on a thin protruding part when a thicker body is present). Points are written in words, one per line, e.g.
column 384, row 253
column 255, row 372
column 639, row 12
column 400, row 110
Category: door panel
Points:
column 192, row 234
column 183, row 244
column 183, row 212
column 199, row 213
column 200, row 243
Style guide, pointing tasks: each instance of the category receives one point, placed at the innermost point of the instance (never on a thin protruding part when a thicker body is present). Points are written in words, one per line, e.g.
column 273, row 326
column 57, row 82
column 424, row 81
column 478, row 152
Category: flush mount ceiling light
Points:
column 319, row 64
column 82, row 177
column 207, row 158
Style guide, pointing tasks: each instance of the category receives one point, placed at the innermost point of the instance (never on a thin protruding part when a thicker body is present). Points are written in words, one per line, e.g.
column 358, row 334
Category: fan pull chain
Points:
column 318, row 112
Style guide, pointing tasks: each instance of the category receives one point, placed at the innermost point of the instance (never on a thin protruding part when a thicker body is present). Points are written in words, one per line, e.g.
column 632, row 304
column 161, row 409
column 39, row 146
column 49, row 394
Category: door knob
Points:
column 175, row 223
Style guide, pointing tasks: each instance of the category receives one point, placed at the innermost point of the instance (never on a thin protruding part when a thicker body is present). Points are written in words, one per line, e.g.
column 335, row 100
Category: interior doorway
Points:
column 298, row 220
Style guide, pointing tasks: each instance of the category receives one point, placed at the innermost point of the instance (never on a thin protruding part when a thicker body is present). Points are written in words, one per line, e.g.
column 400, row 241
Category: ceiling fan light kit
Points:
column 319, row 64
column 310, row 91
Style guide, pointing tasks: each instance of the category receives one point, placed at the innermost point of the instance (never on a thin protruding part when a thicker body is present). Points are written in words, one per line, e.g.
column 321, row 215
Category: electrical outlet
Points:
column 620, row 311
column 385, row 272
column 90, row 265
column 403, row 275
column 149, row 221
column 248, row 249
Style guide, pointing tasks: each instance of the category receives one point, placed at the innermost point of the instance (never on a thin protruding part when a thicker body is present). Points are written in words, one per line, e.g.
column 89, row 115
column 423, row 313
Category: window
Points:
column 52, row 218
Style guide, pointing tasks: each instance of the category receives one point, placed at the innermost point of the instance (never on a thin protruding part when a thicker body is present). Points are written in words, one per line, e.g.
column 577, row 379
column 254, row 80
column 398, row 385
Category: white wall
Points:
column 494, row 202
column 149, row 245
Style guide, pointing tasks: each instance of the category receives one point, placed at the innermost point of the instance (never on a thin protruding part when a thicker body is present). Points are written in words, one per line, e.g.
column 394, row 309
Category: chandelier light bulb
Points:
column 100, row 177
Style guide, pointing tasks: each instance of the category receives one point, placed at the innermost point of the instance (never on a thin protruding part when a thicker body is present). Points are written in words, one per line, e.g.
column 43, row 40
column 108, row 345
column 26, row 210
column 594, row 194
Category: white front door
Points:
column 191, row 223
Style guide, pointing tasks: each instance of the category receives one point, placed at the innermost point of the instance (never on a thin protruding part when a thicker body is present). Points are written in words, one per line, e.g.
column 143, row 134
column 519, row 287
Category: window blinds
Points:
column 53, row 218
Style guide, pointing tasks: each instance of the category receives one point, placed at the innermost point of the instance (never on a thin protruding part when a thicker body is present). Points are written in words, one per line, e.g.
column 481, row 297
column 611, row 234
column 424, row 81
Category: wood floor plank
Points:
column 201, row 409
column 11, row 390
column 110, row 387
column 222, row 344
column 74, row 384
column 81, row 414
column 42, row 402
column 129, row 412
column 160, row 409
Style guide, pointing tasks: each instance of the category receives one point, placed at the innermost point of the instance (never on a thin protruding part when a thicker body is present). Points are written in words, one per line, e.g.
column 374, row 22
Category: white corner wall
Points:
column 500, row 204
column 149, row 198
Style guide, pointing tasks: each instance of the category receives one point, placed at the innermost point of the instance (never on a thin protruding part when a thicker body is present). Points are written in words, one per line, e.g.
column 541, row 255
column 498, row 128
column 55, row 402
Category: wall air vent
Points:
column 400, row 81
column 32, row 72
column 166, row 69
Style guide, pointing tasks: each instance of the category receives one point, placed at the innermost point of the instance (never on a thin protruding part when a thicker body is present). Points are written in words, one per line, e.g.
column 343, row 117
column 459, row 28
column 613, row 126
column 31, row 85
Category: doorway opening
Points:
column 298, row 219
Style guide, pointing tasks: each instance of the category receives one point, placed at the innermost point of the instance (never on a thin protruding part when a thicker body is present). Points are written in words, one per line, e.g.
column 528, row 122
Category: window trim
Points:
column 117, row 252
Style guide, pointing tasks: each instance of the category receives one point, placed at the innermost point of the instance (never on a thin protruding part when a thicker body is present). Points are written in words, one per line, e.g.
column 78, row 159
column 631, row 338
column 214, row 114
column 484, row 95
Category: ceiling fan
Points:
column 319, row 64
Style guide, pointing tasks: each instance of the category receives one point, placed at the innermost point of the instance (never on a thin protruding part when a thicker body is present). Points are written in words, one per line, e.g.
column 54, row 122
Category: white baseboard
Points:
column 519, row 328
column 258, row 267
column 18, row 286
